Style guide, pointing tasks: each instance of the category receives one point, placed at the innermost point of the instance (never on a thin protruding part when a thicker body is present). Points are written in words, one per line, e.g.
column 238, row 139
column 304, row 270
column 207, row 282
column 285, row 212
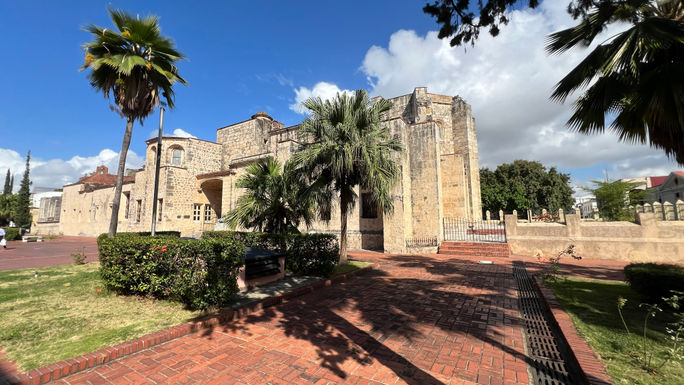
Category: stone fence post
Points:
column 511, row 224
column 658, row 210
column 649, row 226
column 668, row 211
column 561, row 216
column 679, row 210
column 572, row 225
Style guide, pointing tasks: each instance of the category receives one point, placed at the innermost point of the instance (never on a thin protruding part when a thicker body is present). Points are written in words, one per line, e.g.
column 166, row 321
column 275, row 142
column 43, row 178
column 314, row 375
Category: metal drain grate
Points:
column 550, row 359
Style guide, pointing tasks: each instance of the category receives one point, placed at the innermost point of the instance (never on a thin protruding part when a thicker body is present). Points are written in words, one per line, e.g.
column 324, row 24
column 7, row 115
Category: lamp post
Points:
column 157, row 165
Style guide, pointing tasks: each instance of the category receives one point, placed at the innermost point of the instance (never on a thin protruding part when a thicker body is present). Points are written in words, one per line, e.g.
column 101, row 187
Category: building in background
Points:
column 671, row 189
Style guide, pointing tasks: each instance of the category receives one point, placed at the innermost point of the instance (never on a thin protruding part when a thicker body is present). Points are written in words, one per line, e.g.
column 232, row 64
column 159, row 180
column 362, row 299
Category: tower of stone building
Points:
column 440, row 172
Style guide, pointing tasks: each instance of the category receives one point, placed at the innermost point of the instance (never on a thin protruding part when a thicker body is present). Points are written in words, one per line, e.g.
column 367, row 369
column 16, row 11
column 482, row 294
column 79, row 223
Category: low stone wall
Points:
column 647, row 240
column 47, row 228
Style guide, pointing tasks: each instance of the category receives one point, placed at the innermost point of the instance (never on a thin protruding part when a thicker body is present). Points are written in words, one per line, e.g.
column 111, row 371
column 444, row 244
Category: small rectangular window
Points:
column 160, row 204
column 207, row 213
column 368, row 209
column 325, row 215
column 196, row 212
column 128, row 204
column 138, row 210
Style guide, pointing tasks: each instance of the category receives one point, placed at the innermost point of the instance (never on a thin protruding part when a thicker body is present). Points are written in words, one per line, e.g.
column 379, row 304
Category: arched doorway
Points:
column 211, row 212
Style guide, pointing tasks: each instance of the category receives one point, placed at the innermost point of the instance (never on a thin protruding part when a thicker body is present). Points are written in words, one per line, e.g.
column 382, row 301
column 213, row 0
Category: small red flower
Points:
column 164, row 248
column 98, row 290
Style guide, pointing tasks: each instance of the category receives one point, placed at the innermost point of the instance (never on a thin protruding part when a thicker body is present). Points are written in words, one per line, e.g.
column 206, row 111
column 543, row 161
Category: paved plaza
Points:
column 22, row 255
column 412, row 319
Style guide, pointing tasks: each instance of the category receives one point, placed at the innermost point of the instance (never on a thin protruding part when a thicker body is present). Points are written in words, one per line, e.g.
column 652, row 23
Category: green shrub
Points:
column 655, row 281
column 199, row 273
column 312, row 254
column 307, row 254
column 13, row 233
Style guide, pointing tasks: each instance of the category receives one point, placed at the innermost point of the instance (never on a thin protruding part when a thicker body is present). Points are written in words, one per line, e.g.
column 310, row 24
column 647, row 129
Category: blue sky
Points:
column 246, row 56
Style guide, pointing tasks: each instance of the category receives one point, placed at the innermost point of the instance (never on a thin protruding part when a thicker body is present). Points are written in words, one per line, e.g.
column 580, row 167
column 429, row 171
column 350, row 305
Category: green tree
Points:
column 349, row 148
column 613, row 199
column 461, row 21
column 635, row 77
column 524, row 185
column 136, row 65
column 8, row 205
column 22, row 215
column 7, row 189
column 275, row 201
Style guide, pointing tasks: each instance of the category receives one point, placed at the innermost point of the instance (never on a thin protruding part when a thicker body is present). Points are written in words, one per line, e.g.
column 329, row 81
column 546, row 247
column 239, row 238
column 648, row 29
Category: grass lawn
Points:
column 60, row 314
column 592, row 306
column 349, row 267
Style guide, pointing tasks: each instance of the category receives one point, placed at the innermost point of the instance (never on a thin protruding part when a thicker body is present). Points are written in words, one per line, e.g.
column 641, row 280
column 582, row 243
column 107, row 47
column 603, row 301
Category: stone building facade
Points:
column 440, row 178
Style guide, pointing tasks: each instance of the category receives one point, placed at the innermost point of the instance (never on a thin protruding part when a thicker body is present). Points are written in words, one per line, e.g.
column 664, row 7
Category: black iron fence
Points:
column 468, row 230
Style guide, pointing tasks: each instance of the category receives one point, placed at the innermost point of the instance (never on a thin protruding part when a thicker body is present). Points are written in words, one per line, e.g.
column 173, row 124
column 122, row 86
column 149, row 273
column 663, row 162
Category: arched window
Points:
column 151, row 154
column 175, row 155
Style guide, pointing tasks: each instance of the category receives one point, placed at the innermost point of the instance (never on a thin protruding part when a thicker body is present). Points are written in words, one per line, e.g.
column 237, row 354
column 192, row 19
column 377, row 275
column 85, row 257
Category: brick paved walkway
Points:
column 22, row 255
column 417, row 320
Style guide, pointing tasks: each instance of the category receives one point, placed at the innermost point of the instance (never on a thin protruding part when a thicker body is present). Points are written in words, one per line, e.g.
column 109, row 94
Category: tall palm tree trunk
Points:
column 114, row 220
column 343, row 228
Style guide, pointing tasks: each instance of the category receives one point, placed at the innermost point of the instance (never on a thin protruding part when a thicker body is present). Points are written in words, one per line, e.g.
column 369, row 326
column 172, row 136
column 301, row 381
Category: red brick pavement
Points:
column 22, row 255
column 415, row 320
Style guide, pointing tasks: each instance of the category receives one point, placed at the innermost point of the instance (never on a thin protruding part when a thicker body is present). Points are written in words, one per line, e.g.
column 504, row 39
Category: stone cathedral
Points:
column 439, row 166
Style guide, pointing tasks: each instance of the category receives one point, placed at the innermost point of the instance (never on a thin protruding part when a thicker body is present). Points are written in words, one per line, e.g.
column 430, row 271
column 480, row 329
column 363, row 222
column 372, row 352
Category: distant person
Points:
column 3, row 241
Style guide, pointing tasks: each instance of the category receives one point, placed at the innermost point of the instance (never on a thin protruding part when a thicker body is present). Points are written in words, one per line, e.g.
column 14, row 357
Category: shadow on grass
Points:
column 415, row 304
column 595, row 303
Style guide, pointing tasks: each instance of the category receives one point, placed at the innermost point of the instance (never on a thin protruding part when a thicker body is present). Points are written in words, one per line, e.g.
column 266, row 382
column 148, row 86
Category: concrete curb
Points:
column 53, row 372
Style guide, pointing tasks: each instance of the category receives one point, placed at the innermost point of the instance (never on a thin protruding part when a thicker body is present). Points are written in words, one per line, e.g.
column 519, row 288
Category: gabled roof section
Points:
column 657, row 180
column 670, row 178
column 101, row 178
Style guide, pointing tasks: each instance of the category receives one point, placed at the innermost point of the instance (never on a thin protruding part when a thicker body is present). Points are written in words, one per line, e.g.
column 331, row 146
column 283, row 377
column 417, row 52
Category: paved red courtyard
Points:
column 412, row 319
column 22, row 255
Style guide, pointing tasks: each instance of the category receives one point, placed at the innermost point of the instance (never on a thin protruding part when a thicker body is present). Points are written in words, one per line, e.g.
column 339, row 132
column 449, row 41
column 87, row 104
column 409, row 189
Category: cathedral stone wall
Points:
column 439, row 178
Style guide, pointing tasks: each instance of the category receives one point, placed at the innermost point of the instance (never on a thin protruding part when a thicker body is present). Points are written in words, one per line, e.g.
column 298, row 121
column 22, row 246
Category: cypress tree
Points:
column 23, row 214
column 7, row 189
column 12, row 184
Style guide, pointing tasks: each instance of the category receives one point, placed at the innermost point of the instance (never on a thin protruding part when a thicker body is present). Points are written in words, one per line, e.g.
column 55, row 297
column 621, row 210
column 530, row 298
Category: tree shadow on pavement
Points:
column 416, row 315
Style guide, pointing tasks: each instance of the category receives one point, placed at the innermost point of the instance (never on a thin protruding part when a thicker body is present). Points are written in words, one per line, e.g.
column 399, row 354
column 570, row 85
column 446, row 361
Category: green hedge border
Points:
column 306, row 254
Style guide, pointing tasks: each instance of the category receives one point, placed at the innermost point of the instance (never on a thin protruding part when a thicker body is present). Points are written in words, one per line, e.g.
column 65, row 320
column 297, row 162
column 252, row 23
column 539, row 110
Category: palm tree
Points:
column 635, row 76
column 136, row 65
column 276, row 200
column 348, row 148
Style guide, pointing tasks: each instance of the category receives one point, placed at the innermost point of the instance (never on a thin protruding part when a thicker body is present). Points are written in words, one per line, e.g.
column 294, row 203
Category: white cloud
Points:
column 178, row 133
column 55, row 173
column 507, row 80
column 323, row 90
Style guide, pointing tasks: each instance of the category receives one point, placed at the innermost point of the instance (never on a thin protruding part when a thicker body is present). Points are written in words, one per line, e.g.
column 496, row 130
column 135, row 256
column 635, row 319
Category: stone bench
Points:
column 31, row 238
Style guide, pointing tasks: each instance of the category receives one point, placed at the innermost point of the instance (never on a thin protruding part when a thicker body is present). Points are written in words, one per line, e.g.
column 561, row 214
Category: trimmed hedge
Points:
column 654, row 281
column 306, row 254
column 13, row 233
column 174, row 234
column 199, row 273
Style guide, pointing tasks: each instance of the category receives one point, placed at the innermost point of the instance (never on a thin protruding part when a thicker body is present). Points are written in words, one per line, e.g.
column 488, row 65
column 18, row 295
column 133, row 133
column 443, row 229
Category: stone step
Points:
column 473, row 249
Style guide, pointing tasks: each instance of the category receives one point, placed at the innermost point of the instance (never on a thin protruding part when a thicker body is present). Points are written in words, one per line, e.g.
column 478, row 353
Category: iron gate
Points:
column 468, row 230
